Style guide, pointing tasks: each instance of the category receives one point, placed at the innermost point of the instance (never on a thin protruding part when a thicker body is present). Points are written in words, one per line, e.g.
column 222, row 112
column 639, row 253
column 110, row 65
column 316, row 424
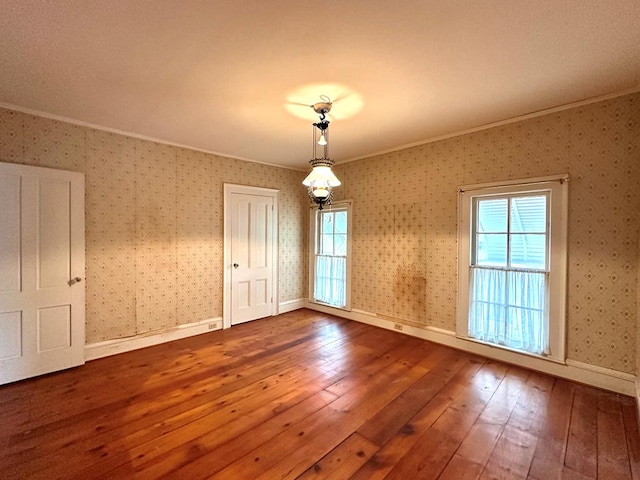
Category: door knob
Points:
column 235, row 265
column 74, row 280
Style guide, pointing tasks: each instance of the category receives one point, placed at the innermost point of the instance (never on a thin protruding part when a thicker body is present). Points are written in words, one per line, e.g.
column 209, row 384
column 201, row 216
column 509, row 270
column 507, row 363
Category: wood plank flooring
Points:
column 310, row 396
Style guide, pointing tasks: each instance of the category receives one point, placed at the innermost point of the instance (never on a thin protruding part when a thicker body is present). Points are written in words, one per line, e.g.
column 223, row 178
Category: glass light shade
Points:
column 321, row 175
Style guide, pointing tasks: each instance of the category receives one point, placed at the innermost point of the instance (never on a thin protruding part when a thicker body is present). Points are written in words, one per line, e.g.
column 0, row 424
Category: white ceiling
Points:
column 218, row 75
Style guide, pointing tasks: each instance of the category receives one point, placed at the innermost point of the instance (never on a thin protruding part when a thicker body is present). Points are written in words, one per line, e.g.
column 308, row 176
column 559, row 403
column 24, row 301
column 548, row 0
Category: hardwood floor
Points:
column 307, row 395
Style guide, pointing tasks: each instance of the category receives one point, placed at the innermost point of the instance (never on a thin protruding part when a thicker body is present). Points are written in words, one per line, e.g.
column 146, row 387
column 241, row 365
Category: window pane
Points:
column 340, row 245
column 509, row 308
column 487, row 305
column 529, row 214
column 527, row 290
column 341, row 222
column 330, row 281
column 491, row 249
column 524, row 330
column 327, row 222
column 526, row 315
column 326, row 245
column 492, row 215
column 529, row 250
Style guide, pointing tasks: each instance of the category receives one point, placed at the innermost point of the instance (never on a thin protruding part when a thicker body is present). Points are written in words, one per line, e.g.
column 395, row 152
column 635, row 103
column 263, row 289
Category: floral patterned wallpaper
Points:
column 405, row 237
column 154, row 222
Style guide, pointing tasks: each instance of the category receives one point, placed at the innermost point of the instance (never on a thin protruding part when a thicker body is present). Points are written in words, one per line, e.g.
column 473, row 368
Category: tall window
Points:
column 512, row 265
column 329, row 260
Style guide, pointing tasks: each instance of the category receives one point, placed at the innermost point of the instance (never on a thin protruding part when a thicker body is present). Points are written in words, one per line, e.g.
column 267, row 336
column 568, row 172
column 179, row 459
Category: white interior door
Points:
column 42, row 297
column 251, row 252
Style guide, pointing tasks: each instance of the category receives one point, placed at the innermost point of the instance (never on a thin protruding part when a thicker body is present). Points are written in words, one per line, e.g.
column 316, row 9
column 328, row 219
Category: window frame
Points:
column 314, row 234
column 557, row 188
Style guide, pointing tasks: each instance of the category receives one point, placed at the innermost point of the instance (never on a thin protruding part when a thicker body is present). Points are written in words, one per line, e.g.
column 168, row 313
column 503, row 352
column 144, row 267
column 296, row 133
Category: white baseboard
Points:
column 97, row 350
column 291, row 305
column 576, row 371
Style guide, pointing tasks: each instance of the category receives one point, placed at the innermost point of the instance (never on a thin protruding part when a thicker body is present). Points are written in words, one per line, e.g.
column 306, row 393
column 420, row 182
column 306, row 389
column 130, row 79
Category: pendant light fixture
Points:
column 321, row 181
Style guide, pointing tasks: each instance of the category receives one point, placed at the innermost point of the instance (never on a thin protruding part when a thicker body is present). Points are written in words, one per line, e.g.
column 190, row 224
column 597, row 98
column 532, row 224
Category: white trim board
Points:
column 97, row 350
column 95, row 126
column 93, row 351
column 599, row 377
column 291, row 305
column 637, row 395
column 506, row 121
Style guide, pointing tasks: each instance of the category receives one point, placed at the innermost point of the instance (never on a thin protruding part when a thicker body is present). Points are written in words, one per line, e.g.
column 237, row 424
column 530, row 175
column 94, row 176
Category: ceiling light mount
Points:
column 323, row 107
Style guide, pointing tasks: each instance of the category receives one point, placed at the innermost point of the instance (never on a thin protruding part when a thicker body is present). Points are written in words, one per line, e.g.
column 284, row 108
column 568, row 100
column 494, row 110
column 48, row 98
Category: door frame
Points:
column 230, row 189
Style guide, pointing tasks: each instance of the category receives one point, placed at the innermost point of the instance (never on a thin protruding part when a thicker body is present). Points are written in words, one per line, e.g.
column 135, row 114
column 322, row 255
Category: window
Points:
column 512, row 265
column 329, row 263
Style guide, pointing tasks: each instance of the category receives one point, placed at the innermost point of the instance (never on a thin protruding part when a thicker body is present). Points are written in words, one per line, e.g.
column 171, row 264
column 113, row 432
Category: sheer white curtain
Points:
column 331, row 274
column 509, row 308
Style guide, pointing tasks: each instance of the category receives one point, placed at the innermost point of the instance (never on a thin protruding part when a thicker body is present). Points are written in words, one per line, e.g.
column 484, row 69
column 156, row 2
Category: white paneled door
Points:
column 42, row 297
column 250, row 220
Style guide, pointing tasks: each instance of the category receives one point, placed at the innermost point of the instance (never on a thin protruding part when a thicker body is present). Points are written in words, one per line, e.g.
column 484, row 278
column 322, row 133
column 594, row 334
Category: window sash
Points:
column 510, row 308
column 509, row 232
column 330, row 280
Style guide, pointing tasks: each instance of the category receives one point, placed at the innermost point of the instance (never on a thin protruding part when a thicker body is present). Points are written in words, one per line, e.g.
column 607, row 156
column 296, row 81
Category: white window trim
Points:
column 557, row 185
column 346, row 205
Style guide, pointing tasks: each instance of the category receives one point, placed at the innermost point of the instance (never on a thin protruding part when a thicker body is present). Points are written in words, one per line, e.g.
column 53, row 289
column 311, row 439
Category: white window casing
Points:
column 341, row 262
column 555, row 189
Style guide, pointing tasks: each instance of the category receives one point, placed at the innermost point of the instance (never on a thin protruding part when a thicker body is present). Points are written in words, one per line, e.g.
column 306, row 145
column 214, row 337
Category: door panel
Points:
column 261, row 230
column 244, row 295
column 41, row 306
column 54, row 328
column 10, row 233
column 262, row 291
column 10, row 340
column 54, row 249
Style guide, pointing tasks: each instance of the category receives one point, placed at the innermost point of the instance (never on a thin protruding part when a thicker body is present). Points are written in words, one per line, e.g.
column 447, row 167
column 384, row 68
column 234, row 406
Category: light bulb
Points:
column 320, row 192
